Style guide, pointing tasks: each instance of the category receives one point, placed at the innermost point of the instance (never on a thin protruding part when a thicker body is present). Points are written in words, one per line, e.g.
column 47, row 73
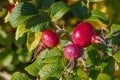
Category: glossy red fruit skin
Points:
column 72, row 52
column 82, row 34
column 11, row 7
column 49, row 38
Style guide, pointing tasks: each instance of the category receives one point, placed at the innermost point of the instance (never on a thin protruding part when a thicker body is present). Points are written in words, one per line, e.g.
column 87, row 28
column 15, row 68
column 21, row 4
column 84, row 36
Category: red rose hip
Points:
column 49, row 39
column 84, row 35
column 72, row 52
column 11, row 7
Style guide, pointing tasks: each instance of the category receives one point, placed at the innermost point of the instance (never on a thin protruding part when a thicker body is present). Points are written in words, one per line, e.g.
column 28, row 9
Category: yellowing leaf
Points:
column 103, row 76
column 117, row 56
column 20, row 31
column 33, row 40
column 117, row 71
column 6, row 17
column 100, row 6
column 97, row 24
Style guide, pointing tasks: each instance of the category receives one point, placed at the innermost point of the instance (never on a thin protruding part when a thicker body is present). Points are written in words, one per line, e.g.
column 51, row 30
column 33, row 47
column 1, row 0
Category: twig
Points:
column 5, row 75
column 88, row 1
column 84, row 63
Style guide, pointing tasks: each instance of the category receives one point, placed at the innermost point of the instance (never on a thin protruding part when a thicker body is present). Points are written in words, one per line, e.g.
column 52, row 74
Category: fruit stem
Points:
column 84, row 63
column 39, row 48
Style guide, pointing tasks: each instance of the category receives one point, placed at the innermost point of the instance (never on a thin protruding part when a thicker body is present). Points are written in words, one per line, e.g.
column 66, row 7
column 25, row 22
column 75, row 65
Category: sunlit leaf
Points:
column 103, row 76
column 57, row 10
column 117, row 56
column 19, row 76
column 82, row 74
column 96, row 0
column 20, row 31
column 51, row 60
column 34, row 68
column 54, row 53
column 33, row 40
column 102, row 16
column 6, row 17
column 115, row 28
column 96, row 23
column 50, row 70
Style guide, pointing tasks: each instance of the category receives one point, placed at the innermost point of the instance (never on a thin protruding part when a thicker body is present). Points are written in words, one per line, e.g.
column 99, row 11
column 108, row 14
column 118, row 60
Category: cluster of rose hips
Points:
column 82, row 36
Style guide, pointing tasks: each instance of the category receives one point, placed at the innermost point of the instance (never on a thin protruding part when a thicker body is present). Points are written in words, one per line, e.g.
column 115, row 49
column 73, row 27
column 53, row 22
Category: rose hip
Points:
column 84, row 35
column 49, row 39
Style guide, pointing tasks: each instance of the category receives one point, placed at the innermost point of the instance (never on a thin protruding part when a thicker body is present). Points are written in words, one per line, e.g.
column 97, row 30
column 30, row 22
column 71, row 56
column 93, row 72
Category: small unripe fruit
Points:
column 11, row 7
column 84, row 35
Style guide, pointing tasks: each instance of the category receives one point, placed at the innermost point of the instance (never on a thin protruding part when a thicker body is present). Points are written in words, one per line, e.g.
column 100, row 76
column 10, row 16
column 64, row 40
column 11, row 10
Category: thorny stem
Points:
column 63, row 31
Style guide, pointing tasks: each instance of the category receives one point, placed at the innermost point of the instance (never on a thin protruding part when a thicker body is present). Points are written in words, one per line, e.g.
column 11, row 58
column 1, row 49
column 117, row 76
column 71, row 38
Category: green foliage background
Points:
column 20, row 33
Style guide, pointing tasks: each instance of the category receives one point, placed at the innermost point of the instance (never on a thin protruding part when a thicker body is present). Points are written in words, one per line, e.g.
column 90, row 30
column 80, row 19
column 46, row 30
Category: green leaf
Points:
column 41, row 4
column 94, row 73
column 35, row 67
column 25, row 56
column 82, row 74
column 33, row 40
column 19, row 76
column 103, row 76
column 62, row 44
column 115, row 28
column 79, row 9
column 51, row 60
column 20, row 31
column 54, row 52
column 37, row 20
column 17, row 17
column 117, row 56
column 96, row 0
column 5, row 37
column 50, row 78
column 50, row 70
column 40, row 27
column 57, row 10
column 110, row 67
column 115, row 39
column 102, row 16
column 90, row 59
column 28, row 9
